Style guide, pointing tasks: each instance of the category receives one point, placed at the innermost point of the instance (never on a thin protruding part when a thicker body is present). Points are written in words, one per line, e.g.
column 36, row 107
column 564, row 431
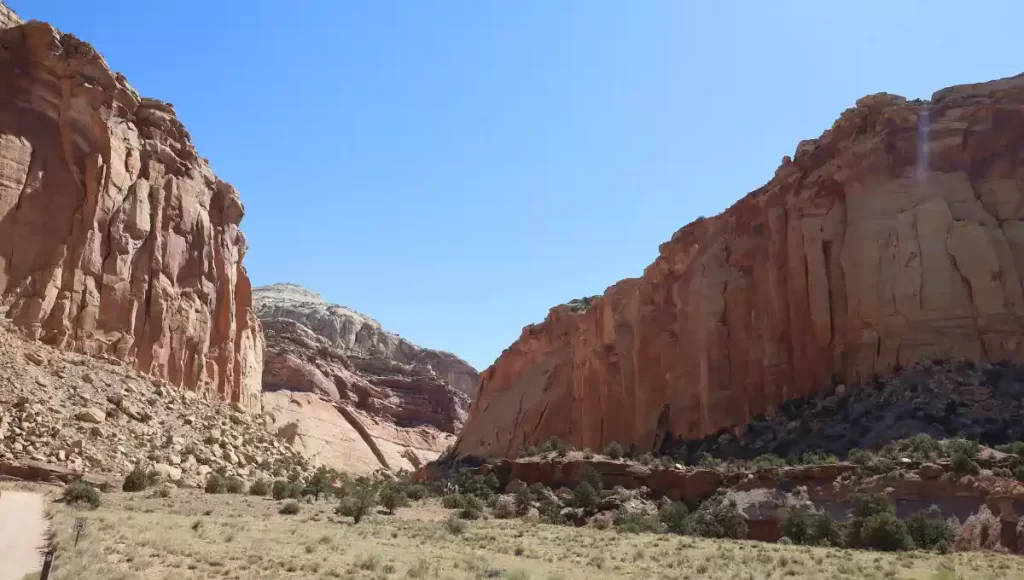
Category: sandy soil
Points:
column 22, row 532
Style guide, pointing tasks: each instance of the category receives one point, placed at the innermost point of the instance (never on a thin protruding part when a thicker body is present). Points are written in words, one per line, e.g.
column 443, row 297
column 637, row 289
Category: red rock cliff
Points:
column 897, row 235
column 115, row 236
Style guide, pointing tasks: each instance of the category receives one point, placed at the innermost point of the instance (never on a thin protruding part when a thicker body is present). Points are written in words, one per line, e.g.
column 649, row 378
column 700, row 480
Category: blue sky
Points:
column 454, row 169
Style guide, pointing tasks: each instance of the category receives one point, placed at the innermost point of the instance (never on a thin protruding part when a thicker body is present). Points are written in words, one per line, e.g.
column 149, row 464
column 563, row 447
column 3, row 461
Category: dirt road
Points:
column 22, row 532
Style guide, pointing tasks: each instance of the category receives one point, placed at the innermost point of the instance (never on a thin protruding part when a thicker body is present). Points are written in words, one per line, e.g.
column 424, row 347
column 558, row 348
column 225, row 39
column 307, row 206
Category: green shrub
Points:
column 588, row 454
column 706, row 460
column 234, row 485
column 866, row 505
column 1015, row 448
column 551, row 511
column 614, row 450
column 481, row 486
column 164, row 491
column 138, row 479
column 797, row 526
column 962, row 446
column 718, row 518
column 417, row 492
column 358, row 503
column 920, row 447
column 768, row 460
column 289, row 508
column 1019, row 473
column 963, row 465
column 215, row 483
column 804, row 526
column 885, row 532
column 260, row 487
column 286, row 490
column 635, row 522
column 675, row 516
column 816, row 458
column 393, row 497
column 928, row 529
column 531, row 451
column 555, row 445
column 584, row 496
column 590, row 475
column 81, row 495
column 522, row 501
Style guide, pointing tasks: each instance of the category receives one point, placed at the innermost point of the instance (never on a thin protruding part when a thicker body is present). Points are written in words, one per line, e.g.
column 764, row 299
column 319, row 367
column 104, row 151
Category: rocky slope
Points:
column 67, row 415
column 350, row 394
column 896, row 236
column 115, row 236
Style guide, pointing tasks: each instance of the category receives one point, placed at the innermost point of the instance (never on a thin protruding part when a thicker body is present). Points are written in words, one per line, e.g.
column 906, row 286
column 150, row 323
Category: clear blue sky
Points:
column 454, row 169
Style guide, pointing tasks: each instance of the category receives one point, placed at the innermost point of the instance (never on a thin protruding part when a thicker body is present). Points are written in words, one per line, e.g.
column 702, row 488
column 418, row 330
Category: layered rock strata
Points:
column 896, row 236
column 116, row 238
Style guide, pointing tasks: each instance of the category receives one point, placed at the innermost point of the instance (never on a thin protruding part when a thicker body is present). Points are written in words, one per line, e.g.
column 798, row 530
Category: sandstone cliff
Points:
column 116, row 238
column 351, row 395
column 896, row 236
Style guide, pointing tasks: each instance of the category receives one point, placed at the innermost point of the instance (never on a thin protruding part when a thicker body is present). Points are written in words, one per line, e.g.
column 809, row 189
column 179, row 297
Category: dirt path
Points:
column 22, row 531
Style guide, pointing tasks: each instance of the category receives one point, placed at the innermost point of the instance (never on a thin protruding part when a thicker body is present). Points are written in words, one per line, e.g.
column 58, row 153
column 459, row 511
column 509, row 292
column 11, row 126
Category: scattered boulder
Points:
column 91, row 415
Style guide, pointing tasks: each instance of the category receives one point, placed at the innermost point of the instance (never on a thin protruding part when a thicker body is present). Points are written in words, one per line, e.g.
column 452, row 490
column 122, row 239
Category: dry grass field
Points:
column 191, row 535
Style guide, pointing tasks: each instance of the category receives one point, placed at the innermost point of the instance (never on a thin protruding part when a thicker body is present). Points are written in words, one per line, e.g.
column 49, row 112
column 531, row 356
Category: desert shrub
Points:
column 635, row 521
column 215, row 483
column 804, row 526
column 550, row 511
column 768, row 460
column 530, row 451
column 960, row 445
column 668, row 462
column 614, row 450
column 392, row 497
column 504, row 508
column 260, row 487
column 164, row 490
column 1015, row 448
column 138, row 479
column 928, row 529
column 587, row 453
column 718, row 518
column 358, row 503
column 876, row 509
column 81, row 495
column 885, row 532
column 234, row 485
column 286, row 490
column 872, row 462
column 1019, row 473
column 963, row 465
column 469, row 507
column 417, row 492
column 920, row 447
column 866, row 505
column 590, row 475
column 797, row 526
column 815, row 458
column 289, row 508
column 675, row 517
column 584, row 496
column 481, row 486
column 706, row 460
column 454, row 525
column 556, row 446
column 522, row 501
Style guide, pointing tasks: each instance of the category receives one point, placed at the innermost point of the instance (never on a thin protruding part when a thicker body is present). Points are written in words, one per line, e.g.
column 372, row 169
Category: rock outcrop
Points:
column 351, row 395
column 361, row 338
column 116, row 238
column 896, row 236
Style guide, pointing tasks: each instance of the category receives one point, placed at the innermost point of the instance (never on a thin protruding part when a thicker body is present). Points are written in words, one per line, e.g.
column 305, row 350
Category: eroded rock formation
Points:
column 115, row 236
column 351, row 395
column 897, row 235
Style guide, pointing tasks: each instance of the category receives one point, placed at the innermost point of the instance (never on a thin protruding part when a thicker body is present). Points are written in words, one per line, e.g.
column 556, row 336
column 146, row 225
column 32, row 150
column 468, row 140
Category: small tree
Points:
column 614, row 450
column 320, row 482
column 523, row 500
column 590, row 475
column 358, row 503
column 962, row 464
column 675, row 516
column 392, row 497
column 929, row 529
column 886, row 532
column 797, row 526
column 584, row 496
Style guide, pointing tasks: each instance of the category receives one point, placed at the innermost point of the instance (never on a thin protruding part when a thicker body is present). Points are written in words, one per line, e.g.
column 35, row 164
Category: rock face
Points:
column 350, row 395
column 896, row 236
column 361, row 338
column 115, row 236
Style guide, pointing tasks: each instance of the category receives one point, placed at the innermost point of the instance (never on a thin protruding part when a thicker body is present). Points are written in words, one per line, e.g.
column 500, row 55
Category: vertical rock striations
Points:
column 116, row 238
column 897, row 235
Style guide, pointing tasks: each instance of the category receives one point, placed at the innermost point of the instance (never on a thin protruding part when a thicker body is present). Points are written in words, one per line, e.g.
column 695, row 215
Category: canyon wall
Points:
column 896, row 236
column 116, row 238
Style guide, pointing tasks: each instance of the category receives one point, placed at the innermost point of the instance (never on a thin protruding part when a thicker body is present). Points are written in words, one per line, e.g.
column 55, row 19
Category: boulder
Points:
column 167, row 472
column 91, row 415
